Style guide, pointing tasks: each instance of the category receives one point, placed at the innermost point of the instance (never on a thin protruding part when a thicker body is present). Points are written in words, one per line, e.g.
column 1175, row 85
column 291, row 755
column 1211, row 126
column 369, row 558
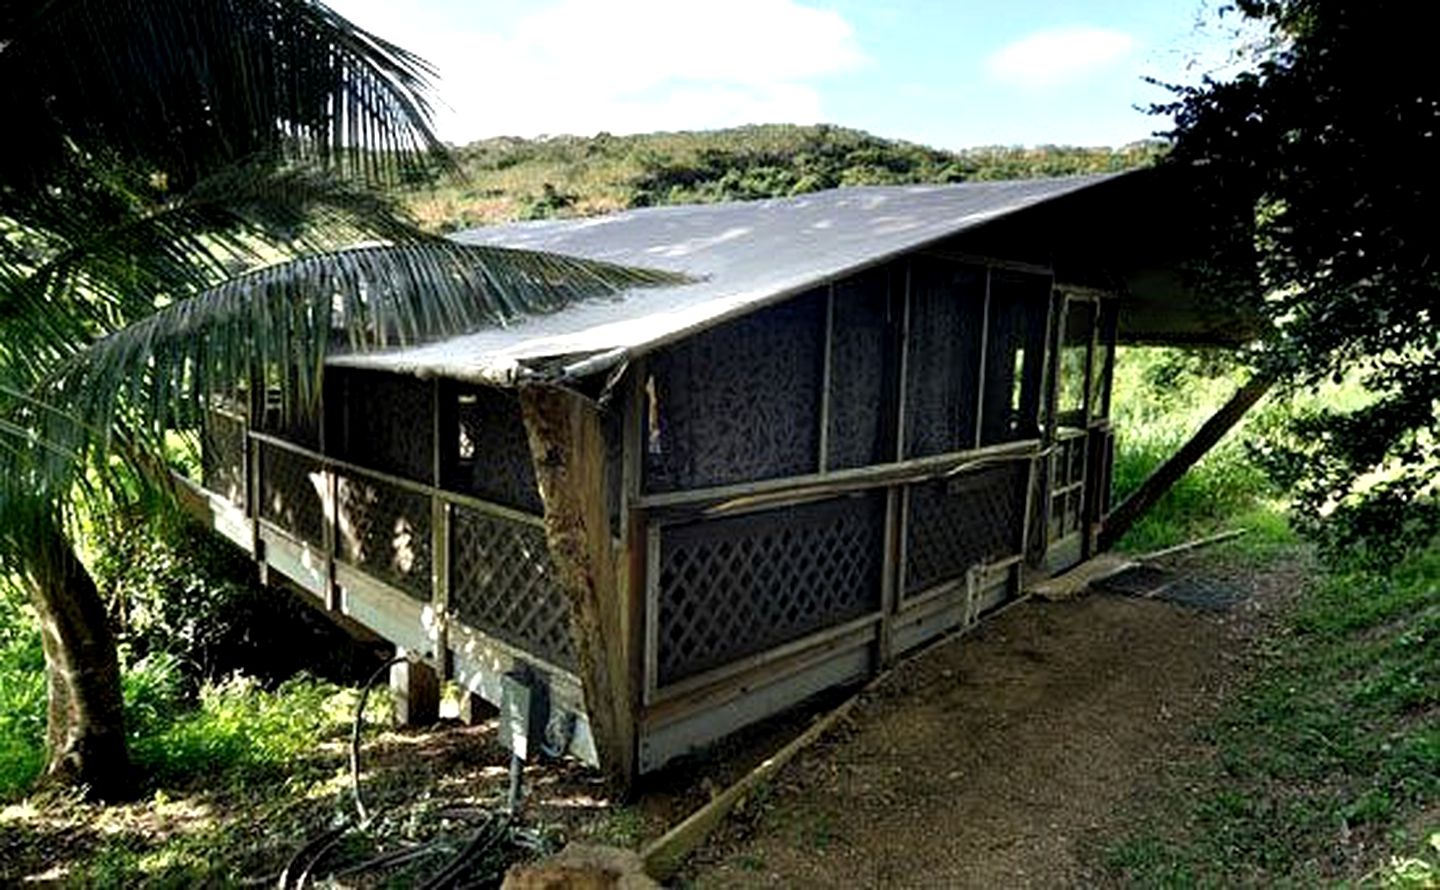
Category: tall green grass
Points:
column 1161, row 398
column 183, row 726
column 22, row 693
column 231, row 731
column 234, row 730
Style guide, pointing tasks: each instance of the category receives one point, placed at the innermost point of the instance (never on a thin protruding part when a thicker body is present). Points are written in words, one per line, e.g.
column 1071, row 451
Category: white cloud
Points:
column 1050, row 58
column 580, row 66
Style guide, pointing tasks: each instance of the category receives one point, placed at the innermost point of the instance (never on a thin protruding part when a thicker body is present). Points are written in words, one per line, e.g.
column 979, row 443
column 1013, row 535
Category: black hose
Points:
column 489, row 834
column 355, row 733
column 312, row 851
column 320, row 854
column 390, row 859
column 303, row 862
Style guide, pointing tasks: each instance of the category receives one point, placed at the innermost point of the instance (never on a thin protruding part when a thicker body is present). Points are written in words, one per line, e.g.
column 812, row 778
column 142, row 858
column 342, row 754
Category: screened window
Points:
column 1015, row 357
column 296, row 419
column 947, row 310
column 1074, row 384
column 861, row 385
column 486, row 450
column 739, row 402
column 382, row 421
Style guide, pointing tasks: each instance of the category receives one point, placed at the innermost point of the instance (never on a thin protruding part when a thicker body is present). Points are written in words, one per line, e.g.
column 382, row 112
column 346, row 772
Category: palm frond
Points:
column 184, row 87
column 81, row 283
column 282, row 322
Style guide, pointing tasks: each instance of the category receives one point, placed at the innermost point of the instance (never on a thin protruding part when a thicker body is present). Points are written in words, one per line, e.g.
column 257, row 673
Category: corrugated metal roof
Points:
column 743, row 255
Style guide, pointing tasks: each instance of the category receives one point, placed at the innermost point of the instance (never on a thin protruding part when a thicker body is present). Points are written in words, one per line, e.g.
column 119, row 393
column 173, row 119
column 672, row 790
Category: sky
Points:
column 945, row 73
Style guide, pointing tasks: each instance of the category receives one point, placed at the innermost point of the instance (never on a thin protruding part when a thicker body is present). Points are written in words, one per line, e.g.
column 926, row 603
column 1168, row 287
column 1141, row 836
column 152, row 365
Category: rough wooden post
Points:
column 1123, row 517
column 414, row 692
column 567, row 446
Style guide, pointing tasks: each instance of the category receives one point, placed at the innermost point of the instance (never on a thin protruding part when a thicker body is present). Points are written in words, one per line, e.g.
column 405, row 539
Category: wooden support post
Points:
column 415, row 693
column 330, row 534
column 567, row 445
column 1123, row 517
column 634, row 559
column 440, row 581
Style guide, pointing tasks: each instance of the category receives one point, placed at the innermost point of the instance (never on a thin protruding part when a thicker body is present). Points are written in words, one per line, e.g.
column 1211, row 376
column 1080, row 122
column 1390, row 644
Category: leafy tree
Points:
column 1320, row 170
column 161, row 148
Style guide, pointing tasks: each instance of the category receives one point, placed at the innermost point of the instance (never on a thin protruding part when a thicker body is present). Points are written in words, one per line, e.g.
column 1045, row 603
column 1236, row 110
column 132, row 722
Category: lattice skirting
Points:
column 1067, row 470
column 504, row 583
column 292, row 490
column 736, row 586
column 385, row 531
column 222, row 457
column 954, row 524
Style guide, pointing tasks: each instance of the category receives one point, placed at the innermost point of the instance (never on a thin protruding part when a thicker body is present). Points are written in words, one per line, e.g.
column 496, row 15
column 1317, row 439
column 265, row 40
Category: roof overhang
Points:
column 1127, row 229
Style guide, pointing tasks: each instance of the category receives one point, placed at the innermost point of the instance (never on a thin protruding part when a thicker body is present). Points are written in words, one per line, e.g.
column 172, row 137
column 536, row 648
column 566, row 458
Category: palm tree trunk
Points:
column 85, row 736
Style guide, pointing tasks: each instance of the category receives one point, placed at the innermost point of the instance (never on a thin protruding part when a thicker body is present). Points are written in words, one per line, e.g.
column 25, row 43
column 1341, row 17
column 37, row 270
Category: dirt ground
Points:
column 999, row 759
column 996, row 759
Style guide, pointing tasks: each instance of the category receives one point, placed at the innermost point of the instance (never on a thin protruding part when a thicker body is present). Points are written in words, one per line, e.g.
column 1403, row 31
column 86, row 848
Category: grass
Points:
column 228, row 777
column 1326, row 760
column 1161, row 397
column 1326, row 763
column 22, row 695
column 231, row 731
column 237, row 732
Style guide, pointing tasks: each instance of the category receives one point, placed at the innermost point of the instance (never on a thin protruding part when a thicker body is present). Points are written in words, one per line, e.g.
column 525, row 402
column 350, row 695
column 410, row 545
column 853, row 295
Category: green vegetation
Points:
column 22, row 694
column 508, row 178
column 215, row 668
column 143, row 221
column 1329, row 240
column 1326, row 763
column 1161, row 397
column 1328, row 756
column 234, row 731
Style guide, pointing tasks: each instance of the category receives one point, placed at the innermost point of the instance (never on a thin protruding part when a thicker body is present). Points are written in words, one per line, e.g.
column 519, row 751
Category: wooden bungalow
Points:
column 873, row 415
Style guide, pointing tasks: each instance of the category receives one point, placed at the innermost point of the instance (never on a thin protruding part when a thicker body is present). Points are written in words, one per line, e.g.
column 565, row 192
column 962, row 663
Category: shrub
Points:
column 1161, row 397
column 22, row 693
column 241, row 732
column 182, row 591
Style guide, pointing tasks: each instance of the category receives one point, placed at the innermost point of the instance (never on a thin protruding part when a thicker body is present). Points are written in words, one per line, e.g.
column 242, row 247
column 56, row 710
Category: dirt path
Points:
column 996, row 761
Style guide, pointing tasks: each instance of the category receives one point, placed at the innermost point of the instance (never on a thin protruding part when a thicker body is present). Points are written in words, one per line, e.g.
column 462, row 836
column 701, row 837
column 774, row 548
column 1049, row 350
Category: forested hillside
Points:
column 508, row 178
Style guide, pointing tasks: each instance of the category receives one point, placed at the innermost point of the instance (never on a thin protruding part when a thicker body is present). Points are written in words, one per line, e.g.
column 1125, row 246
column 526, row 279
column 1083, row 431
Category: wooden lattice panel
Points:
column 385, row 531
column 861, row 433
column 947, row 308
column 1039, row 486
column 292, row 490
column 504, row 583
column 738, row 402
column 740, row 585
column 222, row 457
column 957, row 523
